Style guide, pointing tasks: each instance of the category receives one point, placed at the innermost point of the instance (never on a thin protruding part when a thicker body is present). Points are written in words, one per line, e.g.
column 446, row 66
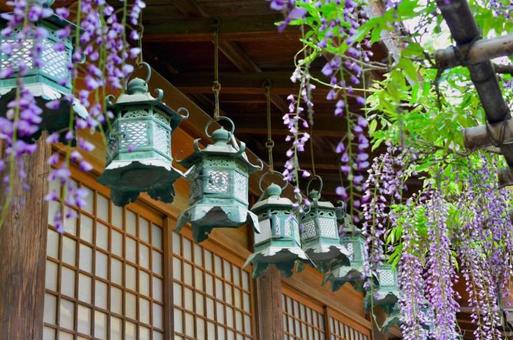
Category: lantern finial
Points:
column 137, row 85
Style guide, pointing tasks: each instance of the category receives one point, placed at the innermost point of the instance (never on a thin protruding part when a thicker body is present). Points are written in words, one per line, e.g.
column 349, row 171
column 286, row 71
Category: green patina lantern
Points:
column 139, row 157
column 354, row 242
column 387, row 294
column 219, row 177
column 49, row 82
column 319, row 233
column 278, row 242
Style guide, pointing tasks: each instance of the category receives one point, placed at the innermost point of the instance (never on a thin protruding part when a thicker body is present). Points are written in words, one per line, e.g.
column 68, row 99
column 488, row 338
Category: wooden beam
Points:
column 23, row 252
column 243, row 28
column 189, row 8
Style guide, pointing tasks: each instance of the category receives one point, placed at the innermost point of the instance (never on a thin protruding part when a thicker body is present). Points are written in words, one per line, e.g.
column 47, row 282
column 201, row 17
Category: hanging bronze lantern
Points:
column 354, row 242
column 219, row 177
column 49, row 82
column 319, row 233
column 387, row 294
column 278, row 242
column 139, row 157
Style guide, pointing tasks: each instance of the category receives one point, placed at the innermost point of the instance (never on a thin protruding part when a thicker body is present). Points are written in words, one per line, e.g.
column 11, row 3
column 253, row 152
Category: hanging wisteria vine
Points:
column 102, row 58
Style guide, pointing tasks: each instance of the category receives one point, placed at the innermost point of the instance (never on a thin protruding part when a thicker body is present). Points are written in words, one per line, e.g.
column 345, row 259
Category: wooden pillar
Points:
column 270, row 315
column 23, row 253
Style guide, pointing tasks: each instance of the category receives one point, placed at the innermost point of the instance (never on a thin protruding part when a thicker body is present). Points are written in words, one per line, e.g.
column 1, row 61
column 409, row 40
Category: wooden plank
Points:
column 243, row 28
column 23, row 252
column 168, row 280
column 270, row 305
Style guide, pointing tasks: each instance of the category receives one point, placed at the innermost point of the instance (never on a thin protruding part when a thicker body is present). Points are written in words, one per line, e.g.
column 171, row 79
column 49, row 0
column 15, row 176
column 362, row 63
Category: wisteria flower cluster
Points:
column 102, row 59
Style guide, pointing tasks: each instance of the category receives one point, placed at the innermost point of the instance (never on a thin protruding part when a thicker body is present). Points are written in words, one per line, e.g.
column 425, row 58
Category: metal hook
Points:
column 315, row 177
column 272, row 172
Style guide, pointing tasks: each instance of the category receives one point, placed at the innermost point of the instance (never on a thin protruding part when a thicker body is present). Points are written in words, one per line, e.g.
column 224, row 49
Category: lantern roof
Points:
column 271, row 198
column 225, row 145
column 137, row 93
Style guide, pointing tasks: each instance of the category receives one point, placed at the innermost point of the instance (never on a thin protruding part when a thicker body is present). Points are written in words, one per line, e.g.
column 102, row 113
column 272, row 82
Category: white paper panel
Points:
column 219, row 288
column 144, row 333
column 48, row 334
column 100, row 294
column 177, row 268
column 187, row 249
column 116, row 300
column 85, row 261
column 116, row 271
column 198, row 279
column 144, row 230
column 84, row 288
column 102, row 236
column 102, row 207
column 218, row 266
column 65, row 336
column 100, row 325
column 130, row 305
column 178, row 318
column 247, row 324
column 219, row 312
column 211, row 331
column 230, row 335
column 130, row 223
column 176, row 243
column 245, row 280
column 158, row 335
column 156, row 262
column 237, row 297
column 188, row 301
column 67, row 282
column 236, row 275
column 144, row 311
column 130, row 331
column 130, row 277
column 228, row 294
column 189, row 324
column 86, row 228
column 144, row 256
column 210, row 309
column 144, row 283
column 187, row 273
column 227, row 270
column 53, row 207
column 66, row 314
column 158, row 316
column 70, row 224
column 101, row 265
column 51, row 275
column 200, row 329
column 157, row 289
column 208, row 260
column 156, row 236
column 200, row 304
column 84, row 320
column 117, row 243
column 117, row 216
column 89, row 198
column 131, row 250
column 229, row 317
column 209, row 284
column 50, row 309
column 68, row 250
column 116, row 328
column 177, row 294
column 246, row 303
column 52, row 244
column 238, row 321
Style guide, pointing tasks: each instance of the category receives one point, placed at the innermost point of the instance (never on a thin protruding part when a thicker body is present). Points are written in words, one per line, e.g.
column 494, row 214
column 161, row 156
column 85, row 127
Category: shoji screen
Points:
column 104, row 275
column 343, row 328
column 302, row 317
column 211, row 294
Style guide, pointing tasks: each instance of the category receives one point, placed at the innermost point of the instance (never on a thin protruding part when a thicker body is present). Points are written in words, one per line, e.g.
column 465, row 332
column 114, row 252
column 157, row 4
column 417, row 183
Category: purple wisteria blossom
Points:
column 440, row 274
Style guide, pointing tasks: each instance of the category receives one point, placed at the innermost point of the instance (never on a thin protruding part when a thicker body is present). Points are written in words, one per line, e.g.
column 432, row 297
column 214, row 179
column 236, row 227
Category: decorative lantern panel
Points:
column 278, row 242
column 48, row 82
column 388, row 292
column 319, row 235
column 219, row 177
column 139, row 155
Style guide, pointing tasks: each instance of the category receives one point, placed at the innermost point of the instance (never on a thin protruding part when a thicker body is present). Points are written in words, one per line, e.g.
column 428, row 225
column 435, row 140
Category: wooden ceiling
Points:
column 178, row 42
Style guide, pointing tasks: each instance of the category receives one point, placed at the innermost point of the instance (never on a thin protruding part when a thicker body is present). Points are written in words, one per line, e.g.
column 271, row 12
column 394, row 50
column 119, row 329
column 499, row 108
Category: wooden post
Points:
column 23, row 253
column 270, row 314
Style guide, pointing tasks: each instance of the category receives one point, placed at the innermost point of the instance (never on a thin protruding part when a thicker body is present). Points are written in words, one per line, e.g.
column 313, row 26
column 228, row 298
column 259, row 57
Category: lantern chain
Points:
column 216, row 86
column 314, row 172
column 269, row 144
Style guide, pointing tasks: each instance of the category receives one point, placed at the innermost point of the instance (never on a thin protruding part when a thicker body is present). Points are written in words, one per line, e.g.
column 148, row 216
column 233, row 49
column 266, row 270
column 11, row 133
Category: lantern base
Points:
column 51, row 120
column 346, row 275
column 328, row 257
column 128, row 179
column 283, row 258
column 205, row 217
column 386, row 300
